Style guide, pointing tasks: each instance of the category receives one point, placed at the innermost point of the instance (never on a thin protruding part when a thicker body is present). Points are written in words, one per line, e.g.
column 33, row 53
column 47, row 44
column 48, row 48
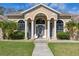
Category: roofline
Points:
column 39, row 5
column 13, row 14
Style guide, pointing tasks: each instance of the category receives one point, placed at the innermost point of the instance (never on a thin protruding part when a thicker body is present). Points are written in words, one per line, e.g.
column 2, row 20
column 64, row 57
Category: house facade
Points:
column 40, row 21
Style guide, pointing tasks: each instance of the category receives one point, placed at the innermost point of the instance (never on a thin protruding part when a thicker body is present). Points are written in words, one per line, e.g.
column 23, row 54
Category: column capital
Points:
column 25, row 20
column 53, row 18
column 48, row 19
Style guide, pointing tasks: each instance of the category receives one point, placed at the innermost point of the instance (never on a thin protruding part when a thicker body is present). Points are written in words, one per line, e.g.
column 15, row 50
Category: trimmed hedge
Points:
column 63, row 35
column 17, row 35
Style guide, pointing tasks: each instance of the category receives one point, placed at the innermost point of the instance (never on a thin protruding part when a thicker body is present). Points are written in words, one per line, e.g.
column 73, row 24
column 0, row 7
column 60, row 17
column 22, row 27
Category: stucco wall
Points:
column 15, row 20
column 47, row 12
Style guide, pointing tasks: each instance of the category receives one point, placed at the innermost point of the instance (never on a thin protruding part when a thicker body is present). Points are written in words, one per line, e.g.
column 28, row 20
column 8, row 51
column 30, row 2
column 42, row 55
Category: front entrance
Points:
column 40, row 25
column 40, row 30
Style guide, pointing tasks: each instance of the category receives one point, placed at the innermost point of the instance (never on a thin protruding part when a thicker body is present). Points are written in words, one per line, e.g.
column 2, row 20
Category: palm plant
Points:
column 71, row 26
column 1, row 28
column 7, row 27
column 77, row 24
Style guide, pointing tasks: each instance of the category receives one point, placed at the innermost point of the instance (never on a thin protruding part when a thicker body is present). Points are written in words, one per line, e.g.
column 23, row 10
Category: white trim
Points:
column 41, row 5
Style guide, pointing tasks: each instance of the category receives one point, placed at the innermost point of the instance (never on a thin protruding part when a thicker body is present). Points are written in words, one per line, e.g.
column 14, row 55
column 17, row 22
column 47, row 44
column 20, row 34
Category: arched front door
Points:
column 40, row 30
column 40, row 25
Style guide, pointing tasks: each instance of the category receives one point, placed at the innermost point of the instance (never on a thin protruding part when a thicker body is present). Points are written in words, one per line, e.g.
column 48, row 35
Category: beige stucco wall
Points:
column 43, row 10
column 16, row 20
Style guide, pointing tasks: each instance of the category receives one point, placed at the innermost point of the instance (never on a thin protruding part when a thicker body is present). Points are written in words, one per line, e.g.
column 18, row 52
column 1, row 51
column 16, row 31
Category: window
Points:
column 59, row 26
column 40, row 21
column 21, row 25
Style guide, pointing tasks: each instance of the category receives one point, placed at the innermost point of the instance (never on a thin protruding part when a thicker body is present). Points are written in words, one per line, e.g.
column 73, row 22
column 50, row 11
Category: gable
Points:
column 41, row 5
column 40, row 9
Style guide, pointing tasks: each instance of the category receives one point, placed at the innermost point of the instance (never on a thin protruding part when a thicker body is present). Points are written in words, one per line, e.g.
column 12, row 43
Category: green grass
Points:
column 9, row 48
column 64, row 49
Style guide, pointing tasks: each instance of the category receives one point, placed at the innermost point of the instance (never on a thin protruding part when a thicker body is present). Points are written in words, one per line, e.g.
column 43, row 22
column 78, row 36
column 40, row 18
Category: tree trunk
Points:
column 71, row 37
column 1, row 34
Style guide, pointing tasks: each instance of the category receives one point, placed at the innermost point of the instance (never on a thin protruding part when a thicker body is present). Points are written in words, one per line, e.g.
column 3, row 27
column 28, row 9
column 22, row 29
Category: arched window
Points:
column 59, row 26
column 21, row 25
column 40, row 18
column 40, row 21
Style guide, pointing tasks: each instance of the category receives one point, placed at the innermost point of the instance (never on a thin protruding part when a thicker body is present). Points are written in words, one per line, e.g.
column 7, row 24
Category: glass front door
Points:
column 40, row 30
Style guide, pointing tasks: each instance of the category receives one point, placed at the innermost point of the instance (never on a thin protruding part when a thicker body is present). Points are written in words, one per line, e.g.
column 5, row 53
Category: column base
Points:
column 48, row 38
column 25, row 38
column 32, row 38
column 54, row 38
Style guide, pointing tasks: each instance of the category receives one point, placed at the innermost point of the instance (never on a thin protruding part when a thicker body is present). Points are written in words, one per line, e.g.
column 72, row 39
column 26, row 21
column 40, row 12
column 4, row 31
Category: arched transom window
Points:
column 40, row 21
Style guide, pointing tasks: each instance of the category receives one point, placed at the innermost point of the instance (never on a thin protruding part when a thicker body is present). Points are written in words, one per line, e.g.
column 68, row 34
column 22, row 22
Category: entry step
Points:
column 40, row 41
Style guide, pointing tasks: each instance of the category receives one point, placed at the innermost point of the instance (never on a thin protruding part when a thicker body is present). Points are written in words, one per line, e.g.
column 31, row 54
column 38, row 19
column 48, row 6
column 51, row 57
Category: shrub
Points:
column 63, row 35
column 17, row 35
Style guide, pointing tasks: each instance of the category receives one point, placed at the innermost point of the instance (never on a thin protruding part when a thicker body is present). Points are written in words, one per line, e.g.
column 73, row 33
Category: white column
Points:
column 54, row 30
column 48, row 27
column 26, row 29
column 32, row 29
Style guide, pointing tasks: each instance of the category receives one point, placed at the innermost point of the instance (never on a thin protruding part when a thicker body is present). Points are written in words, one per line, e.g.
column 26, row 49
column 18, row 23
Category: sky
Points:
column 72, row 8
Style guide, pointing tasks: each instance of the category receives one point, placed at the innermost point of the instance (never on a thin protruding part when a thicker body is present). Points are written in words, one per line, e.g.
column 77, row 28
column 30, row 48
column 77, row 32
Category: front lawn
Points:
column 64, row 49
column 9, row 48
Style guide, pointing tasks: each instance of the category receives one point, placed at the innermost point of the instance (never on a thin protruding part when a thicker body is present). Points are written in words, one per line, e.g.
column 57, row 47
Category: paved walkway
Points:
column 41, row 48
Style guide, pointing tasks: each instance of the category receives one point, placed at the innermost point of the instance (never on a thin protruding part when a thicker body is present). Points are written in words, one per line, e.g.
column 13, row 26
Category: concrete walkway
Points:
column 41, row 48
